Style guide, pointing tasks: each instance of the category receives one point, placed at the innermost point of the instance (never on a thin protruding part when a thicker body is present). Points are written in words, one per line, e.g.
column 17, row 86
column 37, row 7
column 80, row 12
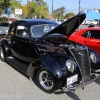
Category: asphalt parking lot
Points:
column 16, row 86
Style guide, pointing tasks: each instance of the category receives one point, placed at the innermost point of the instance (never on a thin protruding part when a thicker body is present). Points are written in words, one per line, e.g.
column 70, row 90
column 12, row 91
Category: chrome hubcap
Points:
column 45, row 80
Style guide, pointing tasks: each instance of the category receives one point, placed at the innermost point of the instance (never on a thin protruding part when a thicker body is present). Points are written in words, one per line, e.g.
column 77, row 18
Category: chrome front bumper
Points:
column 81, row 85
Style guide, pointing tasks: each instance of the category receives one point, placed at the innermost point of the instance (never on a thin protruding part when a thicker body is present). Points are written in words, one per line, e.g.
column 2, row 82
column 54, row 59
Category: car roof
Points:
column 35, row 21
column 91, row 28
column 4, row 24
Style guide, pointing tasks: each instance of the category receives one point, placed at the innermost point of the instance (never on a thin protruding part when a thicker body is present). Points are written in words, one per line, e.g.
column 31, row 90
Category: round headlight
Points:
column 93, row 57
column 70, row 65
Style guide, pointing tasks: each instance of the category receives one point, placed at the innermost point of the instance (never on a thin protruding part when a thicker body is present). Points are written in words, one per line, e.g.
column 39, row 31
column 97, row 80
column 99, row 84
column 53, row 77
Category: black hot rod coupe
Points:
column 39, row 48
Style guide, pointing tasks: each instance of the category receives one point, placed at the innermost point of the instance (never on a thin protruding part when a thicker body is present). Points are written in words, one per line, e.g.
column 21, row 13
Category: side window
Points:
column 21, row 31
column 87, row 34
column 93, row 34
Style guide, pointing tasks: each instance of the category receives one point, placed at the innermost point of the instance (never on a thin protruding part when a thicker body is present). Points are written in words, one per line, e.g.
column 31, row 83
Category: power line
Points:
column 72, row 9
column 89, row 3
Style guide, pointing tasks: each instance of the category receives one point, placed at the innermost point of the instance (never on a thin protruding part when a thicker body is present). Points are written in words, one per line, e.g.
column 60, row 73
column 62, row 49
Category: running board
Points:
column 17, row 64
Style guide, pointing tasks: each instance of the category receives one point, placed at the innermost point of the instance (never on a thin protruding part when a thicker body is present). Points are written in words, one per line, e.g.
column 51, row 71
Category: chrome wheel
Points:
column 45, row 80
column 2, row 55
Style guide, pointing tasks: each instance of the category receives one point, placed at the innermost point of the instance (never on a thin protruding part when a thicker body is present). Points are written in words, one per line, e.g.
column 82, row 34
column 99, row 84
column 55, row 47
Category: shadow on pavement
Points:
column 72, row 95
column 97, row 81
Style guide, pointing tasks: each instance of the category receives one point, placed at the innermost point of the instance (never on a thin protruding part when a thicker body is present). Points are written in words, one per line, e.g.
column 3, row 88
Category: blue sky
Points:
column 71, row 5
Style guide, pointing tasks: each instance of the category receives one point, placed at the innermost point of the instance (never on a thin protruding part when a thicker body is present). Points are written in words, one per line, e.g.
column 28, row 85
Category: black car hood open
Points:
column 69, row 26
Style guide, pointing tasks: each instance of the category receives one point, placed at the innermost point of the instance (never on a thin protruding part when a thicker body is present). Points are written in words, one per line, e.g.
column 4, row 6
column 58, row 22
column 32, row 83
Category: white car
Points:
column 93, row 22
column 87, row 22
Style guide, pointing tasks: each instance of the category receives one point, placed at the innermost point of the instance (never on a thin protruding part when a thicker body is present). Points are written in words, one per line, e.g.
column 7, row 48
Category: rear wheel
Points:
column 2, row 55
column 45, row 81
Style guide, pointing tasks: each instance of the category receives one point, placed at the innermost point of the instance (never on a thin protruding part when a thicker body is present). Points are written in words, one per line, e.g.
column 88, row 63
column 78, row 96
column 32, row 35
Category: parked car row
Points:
column 39, row 48
column 88, row 22
column 59, row 21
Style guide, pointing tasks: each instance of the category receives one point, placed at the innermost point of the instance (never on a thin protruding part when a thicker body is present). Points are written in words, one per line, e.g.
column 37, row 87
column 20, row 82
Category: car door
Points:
column 92, row 40
column 21, row 46
column 78, row 37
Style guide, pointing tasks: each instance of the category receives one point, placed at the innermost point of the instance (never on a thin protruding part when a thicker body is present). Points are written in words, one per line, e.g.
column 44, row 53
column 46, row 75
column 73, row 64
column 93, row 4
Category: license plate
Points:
column 72, row 79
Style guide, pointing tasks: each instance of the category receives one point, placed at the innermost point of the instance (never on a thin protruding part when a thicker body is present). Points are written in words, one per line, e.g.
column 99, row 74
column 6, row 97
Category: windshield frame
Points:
column 50, row 25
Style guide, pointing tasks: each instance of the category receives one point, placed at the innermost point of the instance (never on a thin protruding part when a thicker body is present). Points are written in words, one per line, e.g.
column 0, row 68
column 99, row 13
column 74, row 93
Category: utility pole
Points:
column 79, row 6
column 28, row 8
column 79, row 12
column 52, row 7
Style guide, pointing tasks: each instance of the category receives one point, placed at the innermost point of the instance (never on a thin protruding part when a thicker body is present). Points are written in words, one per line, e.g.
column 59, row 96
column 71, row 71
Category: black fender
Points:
column 98, row 58
column 97, row 64
column 52, row 64
column 5, row 46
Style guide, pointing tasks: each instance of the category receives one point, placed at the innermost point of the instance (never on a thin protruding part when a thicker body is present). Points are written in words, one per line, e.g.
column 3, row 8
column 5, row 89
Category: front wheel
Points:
column 2, row 55
column 45, row 81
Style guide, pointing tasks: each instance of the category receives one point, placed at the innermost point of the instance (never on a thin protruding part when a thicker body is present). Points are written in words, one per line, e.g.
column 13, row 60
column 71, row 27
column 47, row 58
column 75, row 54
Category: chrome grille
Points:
column 82, row 59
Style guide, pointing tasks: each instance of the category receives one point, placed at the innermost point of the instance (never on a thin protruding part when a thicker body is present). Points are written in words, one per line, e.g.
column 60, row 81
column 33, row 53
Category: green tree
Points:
column 34, row 10
column 9, row 3
column 40, row 2
column 59, row 13
column 69, row 14
column 15, row 4
column 4, row 4
column 38, row 8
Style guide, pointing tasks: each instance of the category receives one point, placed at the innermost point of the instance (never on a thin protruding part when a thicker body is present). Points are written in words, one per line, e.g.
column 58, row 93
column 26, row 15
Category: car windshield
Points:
column 40, row 30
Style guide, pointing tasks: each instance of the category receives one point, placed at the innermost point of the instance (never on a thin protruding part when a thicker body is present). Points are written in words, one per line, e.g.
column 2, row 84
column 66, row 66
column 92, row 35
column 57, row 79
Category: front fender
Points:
column 5, row 46
column 54, row 64
column 97, row 64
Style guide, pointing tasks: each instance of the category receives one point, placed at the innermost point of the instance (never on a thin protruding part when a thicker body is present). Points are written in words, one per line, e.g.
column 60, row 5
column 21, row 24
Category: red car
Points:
column 89, row 37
